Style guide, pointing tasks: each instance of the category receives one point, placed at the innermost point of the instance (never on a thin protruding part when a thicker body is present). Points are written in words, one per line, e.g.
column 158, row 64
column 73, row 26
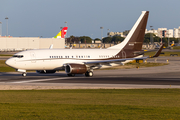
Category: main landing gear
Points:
column 24, row 74
column 89, row 74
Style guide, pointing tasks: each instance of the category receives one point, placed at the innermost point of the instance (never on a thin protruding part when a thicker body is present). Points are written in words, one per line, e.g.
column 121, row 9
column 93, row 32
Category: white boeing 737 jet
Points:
column 83, row 61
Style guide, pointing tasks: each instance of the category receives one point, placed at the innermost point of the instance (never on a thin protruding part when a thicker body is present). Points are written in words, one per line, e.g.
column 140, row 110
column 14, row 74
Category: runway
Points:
column 150, row 77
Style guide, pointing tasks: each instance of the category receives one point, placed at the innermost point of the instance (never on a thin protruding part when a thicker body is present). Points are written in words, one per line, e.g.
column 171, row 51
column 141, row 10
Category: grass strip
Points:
column 167, row 53
column 176, row 47
column 5, row 68
column 98, row 104
column 5, row 55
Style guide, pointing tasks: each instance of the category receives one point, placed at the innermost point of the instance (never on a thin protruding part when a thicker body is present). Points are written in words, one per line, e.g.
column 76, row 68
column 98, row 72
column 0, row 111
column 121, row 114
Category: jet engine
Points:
column 45, row 71
column 75, row 69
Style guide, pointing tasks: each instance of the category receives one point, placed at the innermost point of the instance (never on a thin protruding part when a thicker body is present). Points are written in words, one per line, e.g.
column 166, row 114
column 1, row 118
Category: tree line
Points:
column 86, row 39
column 119, row 39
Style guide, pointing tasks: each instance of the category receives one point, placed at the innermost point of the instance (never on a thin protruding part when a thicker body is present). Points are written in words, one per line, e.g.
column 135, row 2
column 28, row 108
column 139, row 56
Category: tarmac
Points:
column 166, row 76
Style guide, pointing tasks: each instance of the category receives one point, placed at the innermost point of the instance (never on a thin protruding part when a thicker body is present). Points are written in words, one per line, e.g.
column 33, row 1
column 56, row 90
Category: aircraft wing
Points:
column 159, row 51
column 103, row 62
column 114, row 60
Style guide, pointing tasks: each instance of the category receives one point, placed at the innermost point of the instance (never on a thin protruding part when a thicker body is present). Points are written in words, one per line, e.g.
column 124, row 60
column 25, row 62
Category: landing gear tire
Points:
column 24, row 74
column 89, row 74
column 71, row 75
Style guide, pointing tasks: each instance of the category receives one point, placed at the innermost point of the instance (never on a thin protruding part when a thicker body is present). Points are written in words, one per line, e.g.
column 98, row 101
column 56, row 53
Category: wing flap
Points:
column 112, row 61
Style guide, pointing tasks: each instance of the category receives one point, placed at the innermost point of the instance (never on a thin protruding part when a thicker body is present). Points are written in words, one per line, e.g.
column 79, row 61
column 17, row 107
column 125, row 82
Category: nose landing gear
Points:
column 24, row 74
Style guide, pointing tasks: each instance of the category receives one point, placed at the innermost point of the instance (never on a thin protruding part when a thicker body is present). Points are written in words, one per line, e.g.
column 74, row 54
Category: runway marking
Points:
column 28, row 81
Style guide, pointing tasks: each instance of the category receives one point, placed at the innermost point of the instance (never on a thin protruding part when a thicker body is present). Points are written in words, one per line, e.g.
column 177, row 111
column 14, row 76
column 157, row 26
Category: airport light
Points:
column 66, row 23
column 151, row 35
column 6, row 25
column 0, row 28
column 101, row 32
column 168, row 38
column 108, row 32
column 101, row 35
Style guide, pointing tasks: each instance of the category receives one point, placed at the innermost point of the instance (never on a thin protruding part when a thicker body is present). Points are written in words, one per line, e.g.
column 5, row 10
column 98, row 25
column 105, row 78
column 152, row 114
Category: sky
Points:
column 34, row 18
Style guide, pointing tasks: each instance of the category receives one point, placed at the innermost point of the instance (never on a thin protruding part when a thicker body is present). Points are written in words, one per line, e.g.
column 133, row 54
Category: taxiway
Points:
column 150, row 77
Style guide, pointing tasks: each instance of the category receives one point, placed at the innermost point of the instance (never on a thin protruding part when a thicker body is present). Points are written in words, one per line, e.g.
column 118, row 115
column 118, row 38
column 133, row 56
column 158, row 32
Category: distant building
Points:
column 177, row 32
column 111, row 34
column 170, row 33
column 23, row 43
column 162, row 32
column 152, row 31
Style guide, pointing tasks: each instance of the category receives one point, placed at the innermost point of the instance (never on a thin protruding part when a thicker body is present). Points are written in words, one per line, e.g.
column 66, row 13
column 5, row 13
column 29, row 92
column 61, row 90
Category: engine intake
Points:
column 45, row 71
column 75, row 69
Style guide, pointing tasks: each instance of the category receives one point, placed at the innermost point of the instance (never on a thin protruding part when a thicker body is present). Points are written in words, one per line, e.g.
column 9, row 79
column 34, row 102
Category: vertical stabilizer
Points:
column 62, row 33
column 135, row 38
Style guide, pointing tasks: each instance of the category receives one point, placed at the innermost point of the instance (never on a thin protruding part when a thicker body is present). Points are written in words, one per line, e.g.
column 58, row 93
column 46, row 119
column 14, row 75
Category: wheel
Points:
column 71, row 75
column 89, row 74
column 86, row 74
column 24, row 74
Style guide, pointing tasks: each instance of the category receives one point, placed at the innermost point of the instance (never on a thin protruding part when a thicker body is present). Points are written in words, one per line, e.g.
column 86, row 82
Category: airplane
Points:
column 84, row 61
column 62, row 33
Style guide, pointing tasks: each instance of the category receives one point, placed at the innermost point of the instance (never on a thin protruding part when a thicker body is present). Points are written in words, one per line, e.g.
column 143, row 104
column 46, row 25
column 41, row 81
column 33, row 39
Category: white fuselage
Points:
column 54, row 59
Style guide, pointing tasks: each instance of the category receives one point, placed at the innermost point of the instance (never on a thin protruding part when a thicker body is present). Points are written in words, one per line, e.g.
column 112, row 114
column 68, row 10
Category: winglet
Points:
column 159, row 51
column 62, row 33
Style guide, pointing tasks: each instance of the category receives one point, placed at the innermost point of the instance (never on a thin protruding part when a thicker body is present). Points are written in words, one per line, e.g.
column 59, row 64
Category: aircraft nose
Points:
column 9, row 62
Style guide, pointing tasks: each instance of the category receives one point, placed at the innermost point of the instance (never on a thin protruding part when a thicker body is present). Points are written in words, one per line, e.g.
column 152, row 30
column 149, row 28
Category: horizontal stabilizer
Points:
column 159, row 51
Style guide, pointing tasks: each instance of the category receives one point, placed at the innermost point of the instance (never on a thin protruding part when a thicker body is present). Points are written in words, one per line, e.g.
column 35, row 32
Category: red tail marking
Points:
column 63, row 32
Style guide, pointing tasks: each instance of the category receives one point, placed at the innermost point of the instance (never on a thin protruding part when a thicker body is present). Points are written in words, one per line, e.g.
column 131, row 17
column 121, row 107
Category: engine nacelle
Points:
column 75, row 69
column 45, row 71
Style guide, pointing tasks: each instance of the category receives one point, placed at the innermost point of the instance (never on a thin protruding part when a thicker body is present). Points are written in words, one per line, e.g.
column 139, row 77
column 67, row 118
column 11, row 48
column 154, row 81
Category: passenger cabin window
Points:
column 18, row 56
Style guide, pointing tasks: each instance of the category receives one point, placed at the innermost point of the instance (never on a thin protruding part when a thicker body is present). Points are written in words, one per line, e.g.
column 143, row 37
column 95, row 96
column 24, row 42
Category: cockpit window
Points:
column 18, row 56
